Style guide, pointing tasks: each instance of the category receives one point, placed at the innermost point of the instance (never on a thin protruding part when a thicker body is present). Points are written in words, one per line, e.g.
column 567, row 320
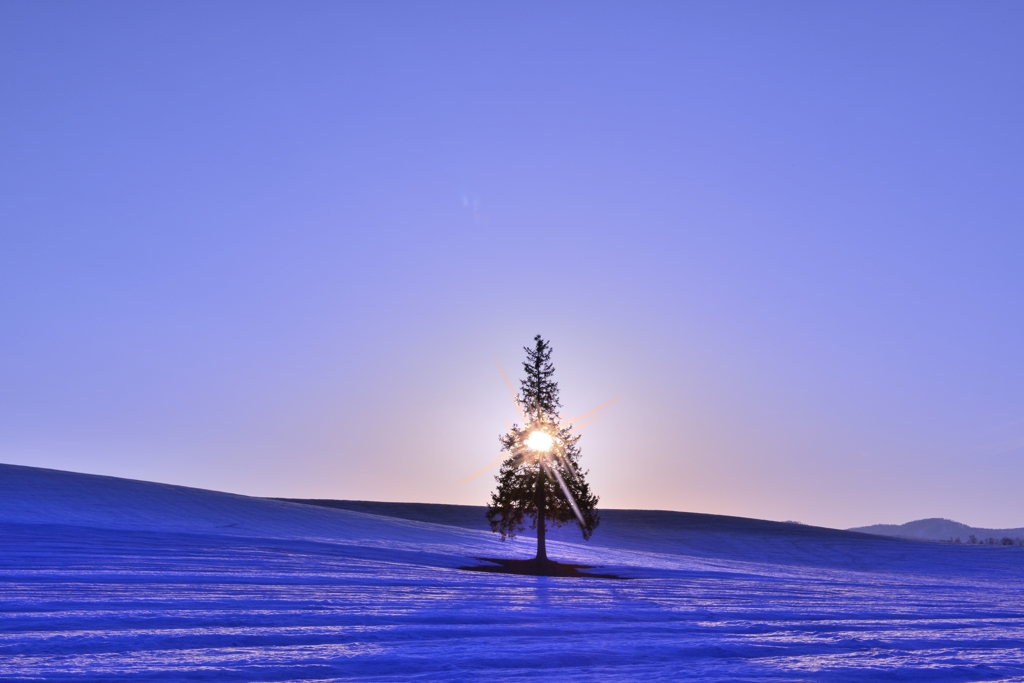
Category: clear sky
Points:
column 277, row 248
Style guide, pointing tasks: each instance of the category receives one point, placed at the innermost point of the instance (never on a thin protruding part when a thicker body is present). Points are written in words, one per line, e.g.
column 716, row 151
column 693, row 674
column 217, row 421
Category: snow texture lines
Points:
column 348, row 596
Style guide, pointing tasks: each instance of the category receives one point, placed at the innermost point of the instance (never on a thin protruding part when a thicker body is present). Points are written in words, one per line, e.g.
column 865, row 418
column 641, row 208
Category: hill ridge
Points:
column 941, row 529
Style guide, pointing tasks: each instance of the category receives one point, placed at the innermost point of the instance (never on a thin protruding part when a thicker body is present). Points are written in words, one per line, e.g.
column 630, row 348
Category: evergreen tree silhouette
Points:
column 533, row 485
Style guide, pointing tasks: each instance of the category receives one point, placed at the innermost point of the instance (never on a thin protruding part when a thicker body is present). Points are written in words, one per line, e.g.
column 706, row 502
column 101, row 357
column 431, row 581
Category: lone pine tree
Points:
column 541, row 480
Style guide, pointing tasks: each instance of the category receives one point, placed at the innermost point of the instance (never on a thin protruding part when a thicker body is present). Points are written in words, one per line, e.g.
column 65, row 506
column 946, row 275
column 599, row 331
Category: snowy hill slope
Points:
column 936, row 529
column 713, row 537
column 30, row 495
column 614, row 523
column 105, row 579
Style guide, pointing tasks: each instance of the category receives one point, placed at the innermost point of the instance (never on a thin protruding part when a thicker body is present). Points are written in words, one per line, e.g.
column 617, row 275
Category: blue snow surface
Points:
column 105, row 579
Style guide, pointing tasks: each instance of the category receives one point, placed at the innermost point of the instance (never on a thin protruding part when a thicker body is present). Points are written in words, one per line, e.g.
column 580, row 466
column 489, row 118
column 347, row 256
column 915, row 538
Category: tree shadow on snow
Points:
column 535, row 568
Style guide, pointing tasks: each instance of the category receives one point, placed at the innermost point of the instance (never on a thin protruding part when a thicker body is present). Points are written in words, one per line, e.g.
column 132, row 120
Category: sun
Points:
column 539, row 441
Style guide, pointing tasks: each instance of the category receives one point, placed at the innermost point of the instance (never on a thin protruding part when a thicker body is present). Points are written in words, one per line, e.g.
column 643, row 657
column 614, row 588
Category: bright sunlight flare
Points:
column 539, row 441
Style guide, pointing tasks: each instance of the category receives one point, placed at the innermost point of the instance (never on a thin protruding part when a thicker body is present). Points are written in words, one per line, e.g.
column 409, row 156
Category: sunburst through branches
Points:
column 540, row 479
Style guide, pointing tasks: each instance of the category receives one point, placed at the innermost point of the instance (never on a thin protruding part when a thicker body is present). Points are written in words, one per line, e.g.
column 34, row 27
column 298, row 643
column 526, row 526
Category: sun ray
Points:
column 570, row 468
column 591, row 412
column 565, row 490
column 512, row 390
column 580, row 428
column 485, row 470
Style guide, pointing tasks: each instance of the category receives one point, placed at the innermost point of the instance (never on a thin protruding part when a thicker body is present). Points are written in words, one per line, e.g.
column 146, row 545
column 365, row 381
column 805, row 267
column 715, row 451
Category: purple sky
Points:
column 276, row 248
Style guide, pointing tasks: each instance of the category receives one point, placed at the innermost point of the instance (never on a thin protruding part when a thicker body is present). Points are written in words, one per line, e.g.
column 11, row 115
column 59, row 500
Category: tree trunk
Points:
column 542, row 550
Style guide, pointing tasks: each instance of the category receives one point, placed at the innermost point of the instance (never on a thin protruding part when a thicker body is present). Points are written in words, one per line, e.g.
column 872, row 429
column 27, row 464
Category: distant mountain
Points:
column 936, row 529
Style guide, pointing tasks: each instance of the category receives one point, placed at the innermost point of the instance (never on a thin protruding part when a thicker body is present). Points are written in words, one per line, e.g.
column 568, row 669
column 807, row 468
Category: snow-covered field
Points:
column 113, row 580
